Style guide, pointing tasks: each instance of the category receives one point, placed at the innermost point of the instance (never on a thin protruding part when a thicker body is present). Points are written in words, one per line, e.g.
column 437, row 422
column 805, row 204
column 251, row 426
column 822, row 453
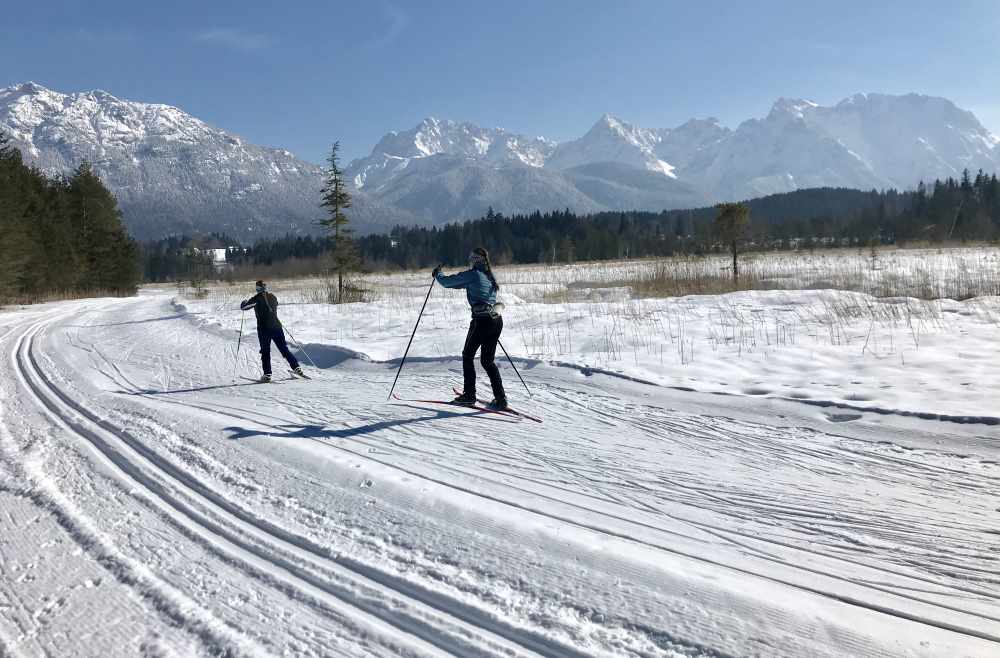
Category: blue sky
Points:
column 300, row 74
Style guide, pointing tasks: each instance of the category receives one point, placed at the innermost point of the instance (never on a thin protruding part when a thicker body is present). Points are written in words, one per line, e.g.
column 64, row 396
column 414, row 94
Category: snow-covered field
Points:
column 899, row 354
column 154, row 501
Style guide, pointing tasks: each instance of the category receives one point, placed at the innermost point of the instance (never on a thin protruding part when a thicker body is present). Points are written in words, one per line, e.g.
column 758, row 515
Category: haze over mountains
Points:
column 173, row 173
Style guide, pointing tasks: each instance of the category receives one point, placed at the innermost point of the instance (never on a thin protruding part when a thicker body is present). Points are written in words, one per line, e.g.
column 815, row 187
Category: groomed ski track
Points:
column 206, row 517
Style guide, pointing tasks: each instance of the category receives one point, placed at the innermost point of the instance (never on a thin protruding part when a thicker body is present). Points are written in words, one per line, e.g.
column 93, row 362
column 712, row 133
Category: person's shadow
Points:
column 296, row 431
column 153, row 391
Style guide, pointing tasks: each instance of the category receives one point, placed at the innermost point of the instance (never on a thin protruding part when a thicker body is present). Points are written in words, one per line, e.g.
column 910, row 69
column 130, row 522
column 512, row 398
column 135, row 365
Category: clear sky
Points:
column 299, row 74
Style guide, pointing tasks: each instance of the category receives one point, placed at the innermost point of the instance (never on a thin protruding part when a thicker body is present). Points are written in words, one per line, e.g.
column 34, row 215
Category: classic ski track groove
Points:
column 471, row 628
column 165, row 598
column 727, row 534
column 587, row 477
column 730, row 535
column 668, row 549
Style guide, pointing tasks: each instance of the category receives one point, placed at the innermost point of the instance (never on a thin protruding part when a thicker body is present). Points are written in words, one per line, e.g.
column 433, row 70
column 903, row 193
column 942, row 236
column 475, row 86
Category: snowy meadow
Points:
column 906, row 331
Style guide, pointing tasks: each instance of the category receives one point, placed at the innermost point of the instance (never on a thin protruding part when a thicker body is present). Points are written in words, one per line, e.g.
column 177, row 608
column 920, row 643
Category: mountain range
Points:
column 173, row 173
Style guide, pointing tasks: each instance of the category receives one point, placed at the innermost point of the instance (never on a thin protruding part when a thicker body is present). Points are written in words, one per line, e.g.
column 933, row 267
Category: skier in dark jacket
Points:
column 484, row 331
column 265, row 306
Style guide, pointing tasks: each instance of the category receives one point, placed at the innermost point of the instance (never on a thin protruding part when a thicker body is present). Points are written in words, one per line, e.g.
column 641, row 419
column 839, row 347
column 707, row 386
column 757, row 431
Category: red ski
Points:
column 508, row 410
column 449, row 403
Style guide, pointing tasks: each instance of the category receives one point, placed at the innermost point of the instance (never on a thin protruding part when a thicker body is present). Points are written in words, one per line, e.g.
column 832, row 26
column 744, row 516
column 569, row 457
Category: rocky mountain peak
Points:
column 174, row 173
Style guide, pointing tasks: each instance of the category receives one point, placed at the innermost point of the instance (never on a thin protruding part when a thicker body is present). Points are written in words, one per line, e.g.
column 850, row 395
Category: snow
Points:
column 613, row 140
column 828, row 348
column 196, row 513
column 796, row 107
column 396, row 150
column 664, row 168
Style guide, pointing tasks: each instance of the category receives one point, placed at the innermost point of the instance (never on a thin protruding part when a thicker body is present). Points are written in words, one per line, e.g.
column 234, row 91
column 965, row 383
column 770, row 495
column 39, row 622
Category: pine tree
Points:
column 108, row 255
column 60, row 235
column 7, row 150
column 21, row 193
column 336, row 199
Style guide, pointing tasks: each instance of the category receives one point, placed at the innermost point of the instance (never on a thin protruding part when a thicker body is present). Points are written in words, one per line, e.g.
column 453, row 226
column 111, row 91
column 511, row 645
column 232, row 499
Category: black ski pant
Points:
column 483, row 333
column 265, row 336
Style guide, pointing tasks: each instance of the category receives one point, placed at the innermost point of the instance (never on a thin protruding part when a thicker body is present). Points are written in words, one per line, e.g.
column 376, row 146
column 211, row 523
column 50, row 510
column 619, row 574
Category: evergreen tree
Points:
column 336, row 199
column 60, row 235
column 730, row 227
column 7, row 150
column 22, row 196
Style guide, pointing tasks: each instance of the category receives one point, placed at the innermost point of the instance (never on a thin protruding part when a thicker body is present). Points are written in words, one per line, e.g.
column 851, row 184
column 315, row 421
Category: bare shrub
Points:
column 352, row 292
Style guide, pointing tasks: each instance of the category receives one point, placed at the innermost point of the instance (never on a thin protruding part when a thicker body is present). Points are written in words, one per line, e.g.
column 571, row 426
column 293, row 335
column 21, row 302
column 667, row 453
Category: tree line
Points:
column 962, row 209
column 62, row 235
column 967, row 209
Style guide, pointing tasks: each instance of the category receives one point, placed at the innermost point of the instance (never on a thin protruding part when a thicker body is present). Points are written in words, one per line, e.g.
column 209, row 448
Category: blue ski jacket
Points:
column 478, row 289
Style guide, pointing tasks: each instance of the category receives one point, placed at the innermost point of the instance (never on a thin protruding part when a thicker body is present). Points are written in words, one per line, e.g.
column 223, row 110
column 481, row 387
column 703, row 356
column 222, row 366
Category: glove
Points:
column 437, row 270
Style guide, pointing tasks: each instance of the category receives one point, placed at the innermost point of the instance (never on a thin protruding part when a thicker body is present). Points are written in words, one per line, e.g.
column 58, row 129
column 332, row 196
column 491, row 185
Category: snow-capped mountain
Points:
column 171, row 172
column 398, row 150
column 680, row 145
column 865, row 141
column 174, row 173
column 166, row 167
column 779, row 153
column 907, row 138
column 445, row 170
column 612, row 140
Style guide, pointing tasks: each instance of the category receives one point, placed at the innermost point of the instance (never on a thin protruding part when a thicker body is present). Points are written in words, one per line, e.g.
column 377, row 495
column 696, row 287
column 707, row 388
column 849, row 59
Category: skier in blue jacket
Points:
column 484, row 331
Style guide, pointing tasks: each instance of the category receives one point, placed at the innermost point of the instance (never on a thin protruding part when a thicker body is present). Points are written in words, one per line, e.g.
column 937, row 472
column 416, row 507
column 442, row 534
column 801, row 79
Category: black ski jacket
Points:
column 265, row 306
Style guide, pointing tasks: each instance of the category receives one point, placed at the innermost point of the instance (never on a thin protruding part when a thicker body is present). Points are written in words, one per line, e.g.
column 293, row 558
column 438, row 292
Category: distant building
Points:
column 219, row 261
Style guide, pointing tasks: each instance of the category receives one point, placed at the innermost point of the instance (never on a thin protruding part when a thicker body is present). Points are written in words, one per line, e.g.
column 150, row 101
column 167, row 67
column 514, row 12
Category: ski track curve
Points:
column 472, row 638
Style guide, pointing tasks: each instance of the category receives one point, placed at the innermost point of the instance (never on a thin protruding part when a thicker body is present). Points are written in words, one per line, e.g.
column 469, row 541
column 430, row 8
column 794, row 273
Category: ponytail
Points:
column 493, row 280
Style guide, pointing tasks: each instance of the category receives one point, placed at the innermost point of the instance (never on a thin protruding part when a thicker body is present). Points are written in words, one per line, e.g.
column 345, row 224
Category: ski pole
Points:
column 236, row 363
column 300, row 347
column 400, row 369
column 514, row 367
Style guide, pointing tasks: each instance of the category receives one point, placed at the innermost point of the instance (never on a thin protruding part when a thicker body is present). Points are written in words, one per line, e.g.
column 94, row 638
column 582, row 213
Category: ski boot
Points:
column 298, row 371
column 498, row 405
column 465, row 400
column 265, row 378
